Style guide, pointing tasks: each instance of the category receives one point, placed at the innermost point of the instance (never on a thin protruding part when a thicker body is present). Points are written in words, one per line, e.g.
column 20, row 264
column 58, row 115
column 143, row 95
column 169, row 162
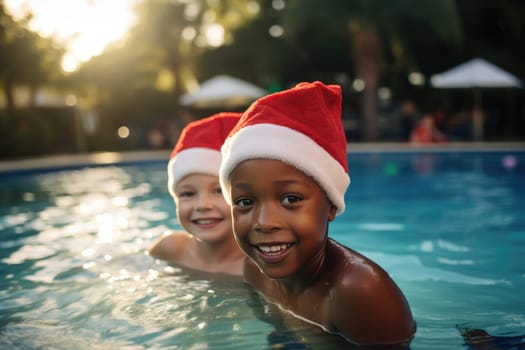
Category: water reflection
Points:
column 73, row 262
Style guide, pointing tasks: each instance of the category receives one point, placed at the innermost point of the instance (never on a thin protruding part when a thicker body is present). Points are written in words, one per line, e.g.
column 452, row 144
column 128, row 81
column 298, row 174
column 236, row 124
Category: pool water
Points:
column 449, row 227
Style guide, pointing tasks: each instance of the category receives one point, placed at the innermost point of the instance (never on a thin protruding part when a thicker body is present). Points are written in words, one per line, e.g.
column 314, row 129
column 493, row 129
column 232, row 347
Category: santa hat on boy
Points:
column 301, row 127
column 198, row 147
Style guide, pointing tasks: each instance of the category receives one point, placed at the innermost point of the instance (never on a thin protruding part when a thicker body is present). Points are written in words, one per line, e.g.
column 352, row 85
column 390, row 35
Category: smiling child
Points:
column 207, row 244
column 284, row 171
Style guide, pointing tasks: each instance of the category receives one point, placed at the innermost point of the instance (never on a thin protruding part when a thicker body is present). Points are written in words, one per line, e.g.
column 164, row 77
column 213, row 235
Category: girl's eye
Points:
column 185, row 194
column 290, row 199
column 217, row 190
column 243, row 202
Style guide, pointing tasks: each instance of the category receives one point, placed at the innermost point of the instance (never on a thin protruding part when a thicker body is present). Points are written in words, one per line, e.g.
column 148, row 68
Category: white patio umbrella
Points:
column 476, row 74
column 222, row 91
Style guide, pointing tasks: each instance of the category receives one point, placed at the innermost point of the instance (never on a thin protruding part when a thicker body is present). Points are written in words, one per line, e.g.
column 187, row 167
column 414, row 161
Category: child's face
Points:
column 280, row 216
column 201, row 208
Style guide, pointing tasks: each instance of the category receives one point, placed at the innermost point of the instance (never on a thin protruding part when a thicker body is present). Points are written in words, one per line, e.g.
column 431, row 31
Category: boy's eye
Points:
column 243, row 202
column 291, row 199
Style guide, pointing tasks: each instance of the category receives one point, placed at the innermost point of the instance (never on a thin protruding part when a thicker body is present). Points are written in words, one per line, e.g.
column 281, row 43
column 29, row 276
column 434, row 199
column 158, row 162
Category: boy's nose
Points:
column 267, row 218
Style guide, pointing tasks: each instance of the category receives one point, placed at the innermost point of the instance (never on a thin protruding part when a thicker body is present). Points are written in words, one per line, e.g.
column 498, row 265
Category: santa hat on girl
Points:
column 198, row 147
column 301, row 127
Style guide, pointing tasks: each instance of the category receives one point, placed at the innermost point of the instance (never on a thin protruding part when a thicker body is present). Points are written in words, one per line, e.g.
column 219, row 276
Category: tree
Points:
column 253, row 54
column 174, row 33
column 374, row 29
column 27, row 58
column 138, row 80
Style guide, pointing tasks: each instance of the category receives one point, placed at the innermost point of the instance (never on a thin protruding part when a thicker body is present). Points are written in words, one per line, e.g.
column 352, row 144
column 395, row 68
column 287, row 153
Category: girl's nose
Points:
column 204, row 202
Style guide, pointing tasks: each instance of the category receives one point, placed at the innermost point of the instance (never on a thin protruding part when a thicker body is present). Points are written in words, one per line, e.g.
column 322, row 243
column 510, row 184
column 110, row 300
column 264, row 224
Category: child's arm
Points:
column 168, row 247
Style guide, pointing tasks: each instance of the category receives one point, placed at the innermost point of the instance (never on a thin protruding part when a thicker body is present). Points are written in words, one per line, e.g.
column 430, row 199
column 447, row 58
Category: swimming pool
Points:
column 449, row 227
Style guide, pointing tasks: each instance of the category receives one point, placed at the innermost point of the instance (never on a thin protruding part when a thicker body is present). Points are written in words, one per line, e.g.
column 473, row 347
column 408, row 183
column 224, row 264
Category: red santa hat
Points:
column 301, row 127
column 198, row 147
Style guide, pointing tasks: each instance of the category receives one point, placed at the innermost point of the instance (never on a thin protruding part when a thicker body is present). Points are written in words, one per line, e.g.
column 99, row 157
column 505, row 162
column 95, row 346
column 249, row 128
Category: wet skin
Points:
column 201, row 208
column 280, row 220
column 208, row 243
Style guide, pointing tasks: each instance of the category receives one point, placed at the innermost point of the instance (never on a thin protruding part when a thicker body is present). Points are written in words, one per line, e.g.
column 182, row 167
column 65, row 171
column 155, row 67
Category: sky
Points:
column 85, row 27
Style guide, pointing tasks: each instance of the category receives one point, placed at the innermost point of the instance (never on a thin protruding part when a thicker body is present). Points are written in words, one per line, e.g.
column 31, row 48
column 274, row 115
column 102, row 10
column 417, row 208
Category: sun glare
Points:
column 85, row 27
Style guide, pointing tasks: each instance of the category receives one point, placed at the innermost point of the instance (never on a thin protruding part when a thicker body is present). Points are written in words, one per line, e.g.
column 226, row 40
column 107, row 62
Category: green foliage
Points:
column 138, row 82
column 37, row 131
column 27, row 58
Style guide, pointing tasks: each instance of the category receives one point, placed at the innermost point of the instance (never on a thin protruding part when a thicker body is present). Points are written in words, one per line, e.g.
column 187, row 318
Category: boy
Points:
column 208, row 243
column 284, row 172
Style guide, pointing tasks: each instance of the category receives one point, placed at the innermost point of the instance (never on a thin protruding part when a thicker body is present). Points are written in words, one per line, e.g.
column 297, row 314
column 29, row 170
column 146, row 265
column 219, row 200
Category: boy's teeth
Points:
column 273, row 249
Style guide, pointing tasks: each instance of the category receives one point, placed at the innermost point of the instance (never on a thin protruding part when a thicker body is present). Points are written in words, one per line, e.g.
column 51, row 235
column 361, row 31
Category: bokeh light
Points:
column 123, row 132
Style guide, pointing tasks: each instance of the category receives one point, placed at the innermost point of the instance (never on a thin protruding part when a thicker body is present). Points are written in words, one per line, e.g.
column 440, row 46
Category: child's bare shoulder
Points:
column 353, row 268
column 357, row 278
column 170, row 246
column 366, row 301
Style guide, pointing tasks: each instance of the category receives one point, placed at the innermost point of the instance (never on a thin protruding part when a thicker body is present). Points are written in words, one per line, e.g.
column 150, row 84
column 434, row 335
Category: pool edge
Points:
column 65, row 161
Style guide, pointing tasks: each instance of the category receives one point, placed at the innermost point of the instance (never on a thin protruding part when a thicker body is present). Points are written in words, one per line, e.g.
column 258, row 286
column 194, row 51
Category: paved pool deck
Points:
column 105, row 158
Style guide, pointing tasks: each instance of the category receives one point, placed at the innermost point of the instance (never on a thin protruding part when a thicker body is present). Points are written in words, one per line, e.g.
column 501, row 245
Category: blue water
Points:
column 449, row 227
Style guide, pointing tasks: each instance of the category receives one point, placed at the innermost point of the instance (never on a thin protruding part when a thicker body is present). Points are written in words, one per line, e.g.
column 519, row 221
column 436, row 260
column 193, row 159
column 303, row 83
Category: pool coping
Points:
column 107, row 158
column 65, row 161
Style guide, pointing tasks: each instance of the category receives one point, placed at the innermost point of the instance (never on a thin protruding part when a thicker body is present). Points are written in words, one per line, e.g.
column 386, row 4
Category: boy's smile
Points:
column 284, row 171
column 280, row 217
column 273, row 253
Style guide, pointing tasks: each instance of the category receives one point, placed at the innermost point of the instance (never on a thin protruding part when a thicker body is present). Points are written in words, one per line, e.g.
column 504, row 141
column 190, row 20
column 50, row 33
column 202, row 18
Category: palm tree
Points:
column 375, row 28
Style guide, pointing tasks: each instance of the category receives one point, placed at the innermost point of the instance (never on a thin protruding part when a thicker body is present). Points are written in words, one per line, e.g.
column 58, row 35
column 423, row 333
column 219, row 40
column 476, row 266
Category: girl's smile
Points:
column 201, row 208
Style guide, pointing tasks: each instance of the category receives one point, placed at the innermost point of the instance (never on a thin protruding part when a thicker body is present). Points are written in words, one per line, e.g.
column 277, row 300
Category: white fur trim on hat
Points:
column 272, row 141
column 192, row 160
